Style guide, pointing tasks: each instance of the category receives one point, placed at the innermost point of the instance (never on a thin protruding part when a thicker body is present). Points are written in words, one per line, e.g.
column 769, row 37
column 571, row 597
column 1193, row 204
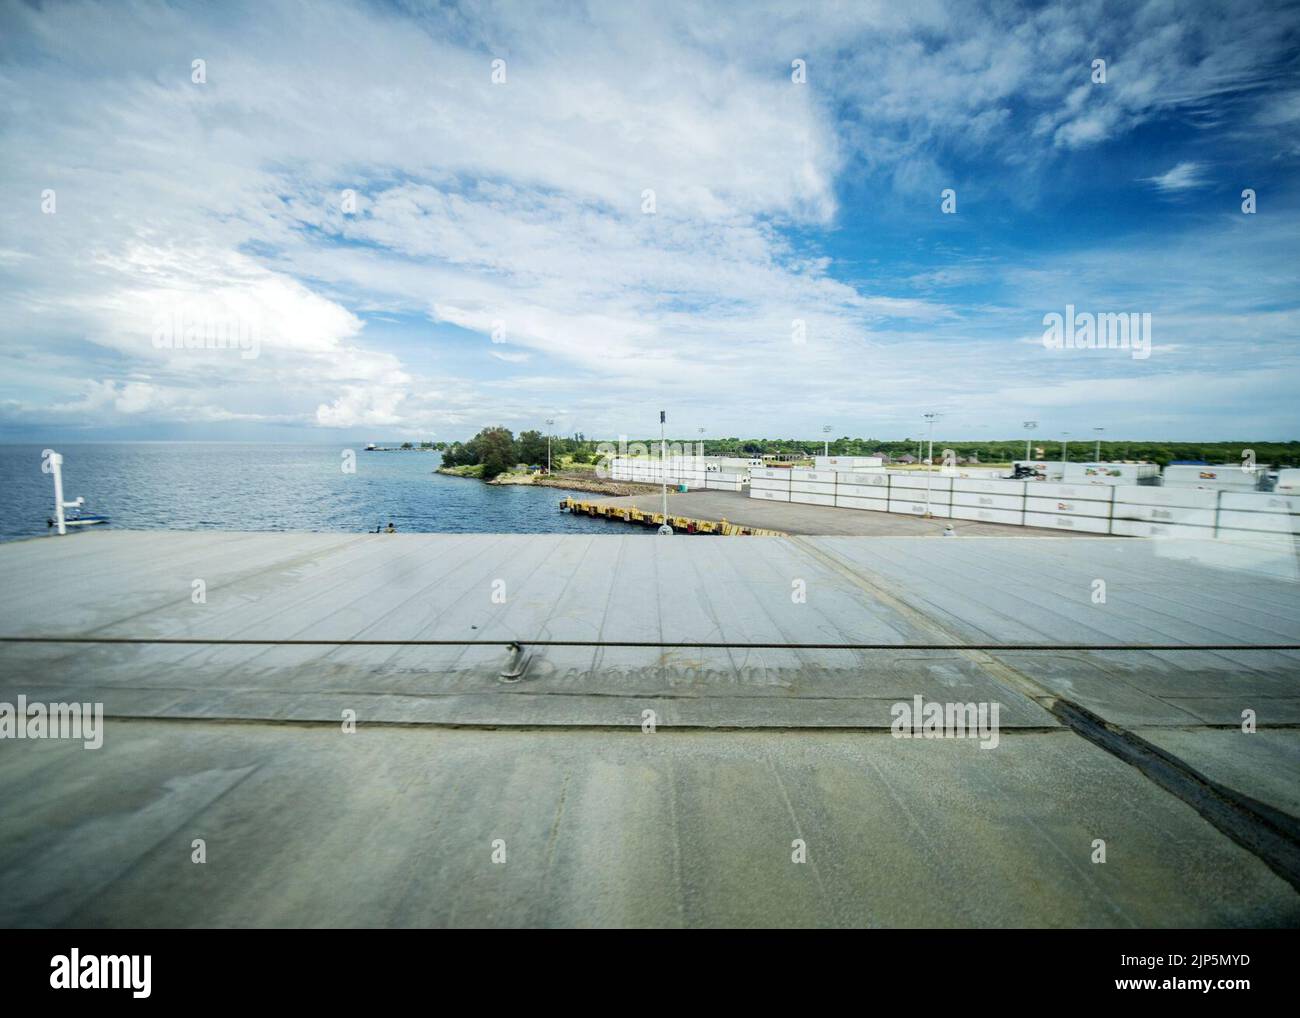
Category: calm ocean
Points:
column 221, row 486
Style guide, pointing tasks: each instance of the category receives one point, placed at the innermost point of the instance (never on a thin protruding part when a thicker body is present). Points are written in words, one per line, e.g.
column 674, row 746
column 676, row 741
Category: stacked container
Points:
column 923, row 493
column 1145, row 511
column 812, row 487
column 868, row 491
column 770, row 484
column 1085, row 507
column 988, row 501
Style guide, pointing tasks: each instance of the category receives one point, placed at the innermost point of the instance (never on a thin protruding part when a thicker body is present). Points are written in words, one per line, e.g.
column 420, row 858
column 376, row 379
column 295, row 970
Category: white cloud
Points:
column 1183, row 177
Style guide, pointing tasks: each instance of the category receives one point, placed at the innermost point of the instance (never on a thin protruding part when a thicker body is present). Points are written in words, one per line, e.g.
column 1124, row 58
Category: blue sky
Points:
column 499, row 264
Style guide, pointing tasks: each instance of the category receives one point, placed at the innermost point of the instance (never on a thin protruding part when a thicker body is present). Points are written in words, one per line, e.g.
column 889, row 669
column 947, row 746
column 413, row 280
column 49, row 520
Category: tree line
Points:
column 498, row 450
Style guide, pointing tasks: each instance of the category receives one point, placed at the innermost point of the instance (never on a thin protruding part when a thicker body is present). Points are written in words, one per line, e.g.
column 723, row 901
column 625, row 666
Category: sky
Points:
column 363, row 221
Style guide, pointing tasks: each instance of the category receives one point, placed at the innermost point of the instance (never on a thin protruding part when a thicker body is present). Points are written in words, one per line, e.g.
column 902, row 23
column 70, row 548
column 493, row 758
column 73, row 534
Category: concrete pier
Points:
column 771, row 669
column 796, row 518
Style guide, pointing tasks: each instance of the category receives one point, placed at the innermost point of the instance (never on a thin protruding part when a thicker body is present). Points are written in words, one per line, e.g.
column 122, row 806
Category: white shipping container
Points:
column 715, row 484
column 1288, row 481
column 1219, row 477
column 1287, row 544
column 880, row 505
column 1274, row 523
column 770, row 472
column 989, row 487
column 1110, row 473
column 770, row 483
column 1090, row 492
column 1260, row 502
column 846, row 462
column 1053, row 521
column 862, row 491
column 770, row 494
column 1140, row 528
column 918, row 508
column 859, row 479
column 916, row 479
column 814, row 487
column 982, row 501
column 812, row 475
column 937, row 496
column 1186, row 498
column 1013, row 517
column 1068, row 507
column 811, row 498
column 1164, row 514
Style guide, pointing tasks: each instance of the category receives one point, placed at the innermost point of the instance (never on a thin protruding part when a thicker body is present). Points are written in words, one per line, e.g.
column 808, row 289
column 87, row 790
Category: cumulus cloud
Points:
column 369, row 205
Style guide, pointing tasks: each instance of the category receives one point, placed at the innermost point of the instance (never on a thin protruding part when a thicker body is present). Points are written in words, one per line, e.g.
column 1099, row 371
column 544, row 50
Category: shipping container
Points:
column 811, row 498
column 1111, row 473
column 814, row 487
column 859, row 479
column 770, row 483
column 1068, row 507
column 800, row 474
column 1277, row 523
column 917, row 479
column 846, row 462
column 1164, row 514
column 1185, row 498
column 918, row 508
column 1142, row 528
column 1220, row 477
column 1090, row 492
column 769, row 472
column 1260, row 502
column 1055, row 521
column 1011, row 517
column 861, row 491
column 983, row 501
column 1288, row 481
column 880, row 505
column 937, row 496
column 770, row 494
column 989, row 487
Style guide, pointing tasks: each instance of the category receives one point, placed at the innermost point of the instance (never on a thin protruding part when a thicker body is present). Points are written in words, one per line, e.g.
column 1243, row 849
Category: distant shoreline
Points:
column 570, row 482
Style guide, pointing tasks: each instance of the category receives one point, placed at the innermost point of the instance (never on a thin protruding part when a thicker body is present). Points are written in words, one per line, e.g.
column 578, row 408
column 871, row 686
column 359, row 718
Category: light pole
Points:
column 1097, row 458
column 1064, row 445
column 930, row 418
column 664, row 528
column 1029, row 427
column 550, row 423
column 826, row 428
column 701, row 431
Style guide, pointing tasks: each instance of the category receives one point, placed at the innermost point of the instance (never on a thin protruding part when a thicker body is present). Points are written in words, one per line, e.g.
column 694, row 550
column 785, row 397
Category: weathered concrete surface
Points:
column 605, row 825
column 395, row 826
column 798, row 518
column 623, row 588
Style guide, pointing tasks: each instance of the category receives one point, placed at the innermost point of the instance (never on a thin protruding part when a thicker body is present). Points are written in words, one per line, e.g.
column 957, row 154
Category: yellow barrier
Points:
column 687, row 524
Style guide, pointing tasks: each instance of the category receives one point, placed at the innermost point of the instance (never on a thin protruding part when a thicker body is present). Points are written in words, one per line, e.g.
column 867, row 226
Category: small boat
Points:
column 80, row 521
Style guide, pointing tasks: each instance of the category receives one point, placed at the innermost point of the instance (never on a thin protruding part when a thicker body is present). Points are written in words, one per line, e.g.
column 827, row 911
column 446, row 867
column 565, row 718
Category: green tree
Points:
column 494, row 448
column 531, row 447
